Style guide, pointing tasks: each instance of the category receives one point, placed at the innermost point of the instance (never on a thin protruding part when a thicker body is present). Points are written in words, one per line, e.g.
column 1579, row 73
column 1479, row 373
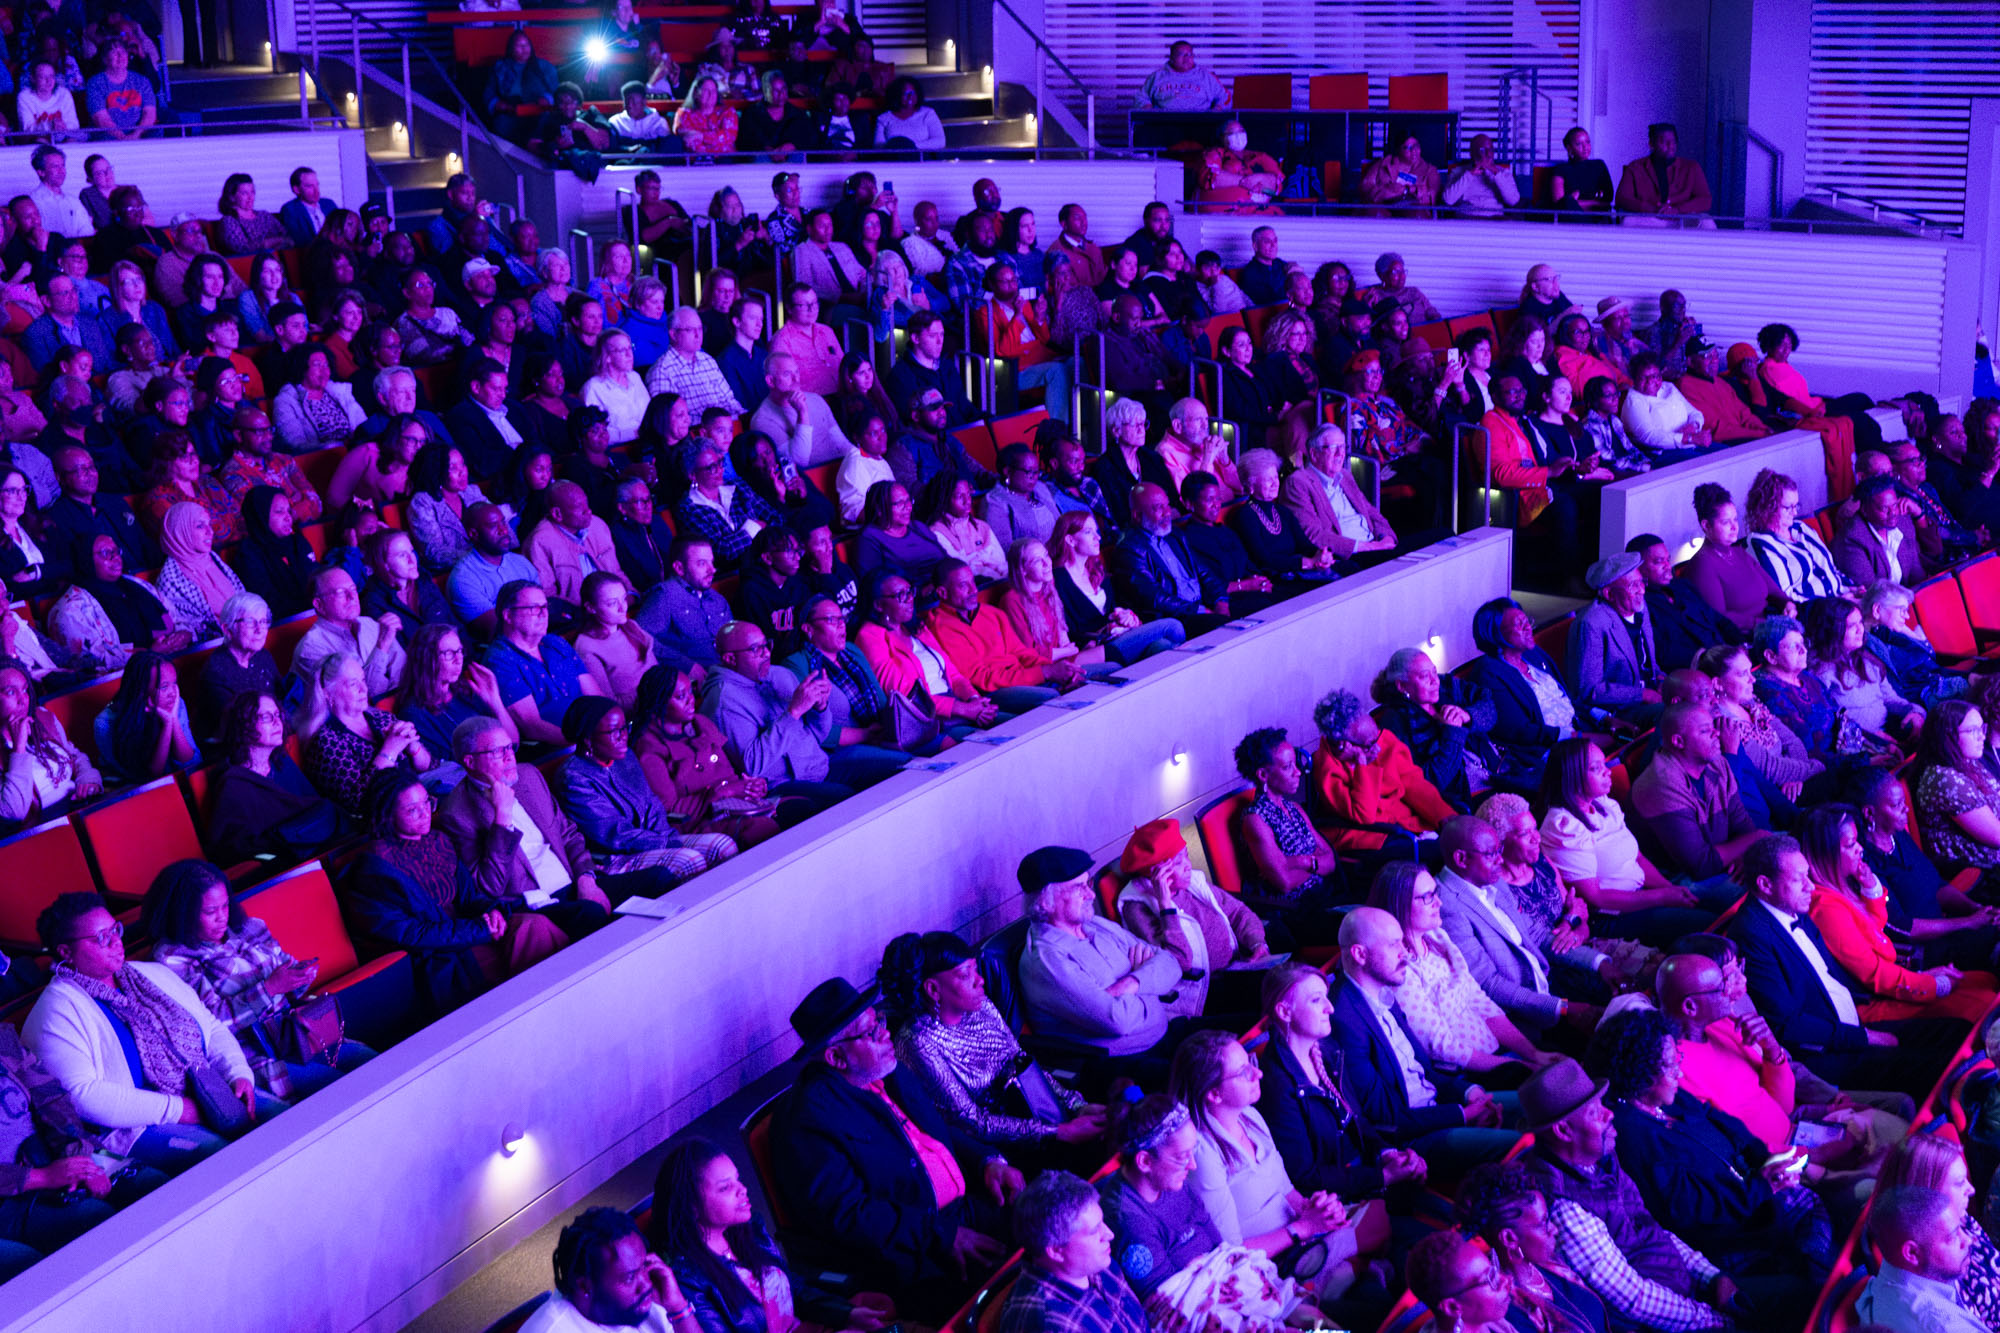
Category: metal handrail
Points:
column 1443, row 213
column 1458, row 433
column 1043, row 55
column 1041, row 45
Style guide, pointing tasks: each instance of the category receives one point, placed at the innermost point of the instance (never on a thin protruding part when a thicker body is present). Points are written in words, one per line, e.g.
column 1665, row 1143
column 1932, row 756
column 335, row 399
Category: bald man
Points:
column 1506, row 948
column 1451, row 1124
column 1729, row 1056
column 570, row 544
column 1688, row 801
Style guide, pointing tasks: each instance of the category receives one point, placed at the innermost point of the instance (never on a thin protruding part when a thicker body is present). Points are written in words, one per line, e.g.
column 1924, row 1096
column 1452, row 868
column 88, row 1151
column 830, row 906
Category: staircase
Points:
column 240, row 96
column 975, row 114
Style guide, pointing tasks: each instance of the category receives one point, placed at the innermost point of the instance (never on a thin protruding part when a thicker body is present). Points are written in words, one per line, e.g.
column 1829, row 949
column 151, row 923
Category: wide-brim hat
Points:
column 827, row 1009
column 1557, row 1092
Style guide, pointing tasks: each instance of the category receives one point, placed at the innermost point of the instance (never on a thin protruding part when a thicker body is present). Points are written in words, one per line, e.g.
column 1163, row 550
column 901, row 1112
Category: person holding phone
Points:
column 245, row 977
column 775, row 723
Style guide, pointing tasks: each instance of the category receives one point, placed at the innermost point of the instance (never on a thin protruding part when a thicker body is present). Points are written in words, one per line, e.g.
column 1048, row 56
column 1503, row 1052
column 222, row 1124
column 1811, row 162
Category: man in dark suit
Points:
column 82, row 512
column 305, row 212
column 1880, row 541
column 1155, row 571
column 482, row 422
column 1810, row 997
column 1452, row 1124
column 882, row 1184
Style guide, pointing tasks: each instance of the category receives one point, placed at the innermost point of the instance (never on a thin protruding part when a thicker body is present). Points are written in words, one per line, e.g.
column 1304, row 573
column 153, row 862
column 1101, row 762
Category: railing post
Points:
column 409, row 104
column 305, row 112
column 1041, row 90
column 1090, row 125
column 465, row 146
column 360, row 86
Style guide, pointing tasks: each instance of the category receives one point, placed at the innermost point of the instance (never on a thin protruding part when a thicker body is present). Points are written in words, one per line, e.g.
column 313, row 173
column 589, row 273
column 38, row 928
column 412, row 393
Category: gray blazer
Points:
column 1602, row 665
column 1497, row 963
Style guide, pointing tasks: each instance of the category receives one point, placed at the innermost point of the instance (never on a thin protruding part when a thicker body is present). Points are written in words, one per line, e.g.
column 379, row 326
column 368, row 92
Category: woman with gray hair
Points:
column 1323, row 496
column 545, row 307
column 241, row 663
column 1271, row 534
column 1898, row 640
column 347, row 741
column 1446, row 722
column 1127, row 461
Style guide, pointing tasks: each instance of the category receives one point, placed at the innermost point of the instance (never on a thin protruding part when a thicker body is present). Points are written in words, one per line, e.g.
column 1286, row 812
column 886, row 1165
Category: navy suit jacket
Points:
column 1374, row 1078
column 1518, row 728
column 1785, row 988
column 486, row 455
column 855, row 1184
column 299, row 223
column 1145, row 584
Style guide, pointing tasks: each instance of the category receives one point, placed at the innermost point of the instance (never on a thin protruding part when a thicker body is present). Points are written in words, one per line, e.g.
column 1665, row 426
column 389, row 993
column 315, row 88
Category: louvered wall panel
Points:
column 1869, row 310
column 1114, row 44
column 1888, row 98
column 180, row 175
column 901, row 28
column 407, row 18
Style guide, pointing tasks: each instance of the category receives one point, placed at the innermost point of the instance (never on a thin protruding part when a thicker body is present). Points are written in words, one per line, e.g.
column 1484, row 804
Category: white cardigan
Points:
column 70, row 1034
column 296, row 433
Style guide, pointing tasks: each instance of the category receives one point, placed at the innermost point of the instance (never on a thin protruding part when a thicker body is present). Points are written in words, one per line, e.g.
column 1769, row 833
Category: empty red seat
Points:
column 131, row 838
column 37, row 867
column 304, row 917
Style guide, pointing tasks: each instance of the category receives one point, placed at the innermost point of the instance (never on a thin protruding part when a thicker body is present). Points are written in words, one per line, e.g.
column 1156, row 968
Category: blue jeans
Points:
column 1053, row 377
column 175, row 1148
column 859, row 766
column 1155, row 636
column 1017, row 699
column 310, row 1078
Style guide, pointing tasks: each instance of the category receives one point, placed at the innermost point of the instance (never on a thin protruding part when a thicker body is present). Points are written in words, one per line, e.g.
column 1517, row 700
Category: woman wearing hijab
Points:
column 277, row 563
column 194, row 583
column 107, row 614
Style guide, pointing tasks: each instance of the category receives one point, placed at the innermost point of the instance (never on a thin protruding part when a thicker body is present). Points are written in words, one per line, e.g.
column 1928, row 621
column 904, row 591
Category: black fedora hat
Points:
column 828, row 1008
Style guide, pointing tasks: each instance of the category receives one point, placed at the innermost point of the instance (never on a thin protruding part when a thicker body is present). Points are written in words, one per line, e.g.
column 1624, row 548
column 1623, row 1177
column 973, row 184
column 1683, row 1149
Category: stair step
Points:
column 409, row 173
column 945, row 82
column 197, row 91
column 989, row 132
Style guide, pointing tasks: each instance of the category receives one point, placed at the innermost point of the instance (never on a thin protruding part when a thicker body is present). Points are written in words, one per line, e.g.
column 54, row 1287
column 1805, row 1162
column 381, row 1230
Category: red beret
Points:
column 1151, row 844
column 1363, row 359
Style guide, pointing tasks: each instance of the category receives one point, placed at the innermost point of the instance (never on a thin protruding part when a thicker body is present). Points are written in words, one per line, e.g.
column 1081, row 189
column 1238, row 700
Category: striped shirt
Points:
column 1802, row 567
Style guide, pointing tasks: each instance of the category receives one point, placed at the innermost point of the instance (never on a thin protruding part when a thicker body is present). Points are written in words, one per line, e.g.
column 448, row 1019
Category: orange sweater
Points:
column 1392, row 790
column 1855, row 935
column 1514, row 465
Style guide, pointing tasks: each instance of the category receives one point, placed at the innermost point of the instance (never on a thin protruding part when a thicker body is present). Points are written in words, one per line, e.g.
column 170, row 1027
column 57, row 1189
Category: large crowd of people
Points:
column 603, row 588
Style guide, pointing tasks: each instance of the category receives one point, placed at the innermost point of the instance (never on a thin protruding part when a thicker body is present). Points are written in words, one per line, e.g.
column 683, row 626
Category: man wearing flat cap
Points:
column 1614, row 340
column 881, row 1184
column 1648, row 1276
column 1089, row 980
column 1612, row 664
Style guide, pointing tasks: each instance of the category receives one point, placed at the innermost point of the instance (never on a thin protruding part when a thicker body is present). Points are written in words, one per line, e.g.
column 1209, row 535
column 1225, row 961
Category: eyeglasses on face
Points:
column 508, row 749
column 105, row 938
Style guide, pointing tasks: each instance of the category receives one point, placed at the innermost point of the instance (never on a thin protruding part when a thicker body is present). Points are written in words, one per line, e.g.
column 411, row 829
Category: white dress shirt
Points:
column 1655, row 423
column 1416, row 1085
column 1843, row 999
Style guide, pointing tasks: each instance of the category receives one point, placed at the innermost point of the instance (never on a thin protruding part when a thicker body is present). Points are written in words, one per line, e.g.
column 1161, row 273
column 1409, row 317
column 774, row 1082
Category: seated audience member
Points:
column 882, row 1184
column 1160, row 1228
column 144, row 732
column 1321, row 495
column 1612, row 665
column 397, row 590
column 1729, row 1058
column 1662, row 422
column 908, row 660
column 1506, row 947
column 684, row 759
column 1956, row 794
column 504, row 823
column 733, row 1272
column 194, row 582
column 983, row 643
column 775, row 724
column 241, row 663
column 946, row 511
column 341, row 628
column 1555, row 917
column 1647, row 1275
column 1155, row 570
column 570, row 543
column 798, row 421
column 106, row 615
column 1934, row 1161
column 615, row 650
column 1401, row 175
column 346, row 739
column 1453, row 1125
column 492, row 564
column 1236, row 178
column 1220, row 554
column 1726, row 417
column 155, row 1106
column 624, row 824
column 1917, row 890
column 1480, row 1288
column 892, row 538
column 606, row 1279
column 1369, row 785
column 1035, row 605
column 728, row 516
column 262, row 803
column 1682, row 623
column 1581, row 182
column 1664, row 189
column 950, row 1034
column 540, row 675
column 1850, row 907
column 1290, row 868
column 1702, row 1172
column 683, row 612
column 1446, row 722
column 1023, row 505
column 441, row 496
column 1797, row 697
column 926, row 447
column 1240, row 1179
column 1895, row 637
column 1481, row 186
column 1795, row 979
column 1090, row 981
column 1857, row 682
column 230, row 961
column 1532, row 705
column 442, row 688
column 1723, row 570
column 1457, row 1023
column 1181, row 85
column 1787, row 547
column 1587, row 840
column 1879, row 542
column 1170, row 905
column 1688, row 805
column 1921, row 1235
